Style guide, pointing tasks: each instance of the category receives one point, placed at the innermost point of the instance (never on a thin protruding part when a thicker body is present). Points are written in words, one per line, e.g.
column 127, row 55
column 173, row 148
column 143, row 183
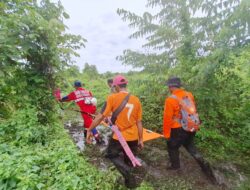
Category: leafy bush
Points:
column 23, row 128
column 35, row 151
column 44, row 157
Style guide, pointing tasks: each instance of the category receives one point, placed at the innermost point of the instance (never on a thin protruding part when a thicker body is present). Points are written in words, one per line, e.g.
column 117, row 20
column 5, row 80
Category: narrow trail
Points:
column 155, row 155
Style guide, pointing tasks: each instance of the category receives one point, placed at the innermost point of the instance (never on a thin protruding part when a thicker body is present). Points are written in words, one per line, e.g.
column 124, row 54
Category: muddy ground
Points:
column 155, row 155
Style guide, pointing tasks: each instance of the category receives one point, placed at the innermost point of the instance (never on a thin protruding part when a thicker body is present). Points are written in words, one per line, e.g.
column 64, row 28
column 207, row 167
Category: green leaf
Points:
column 66, row 15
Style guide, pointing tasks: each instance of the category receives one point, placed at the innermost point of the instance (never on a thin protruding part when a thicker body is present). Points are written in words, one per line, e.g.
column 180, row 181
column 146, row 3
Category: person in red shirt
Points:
column 174, row 133
column 83, row 98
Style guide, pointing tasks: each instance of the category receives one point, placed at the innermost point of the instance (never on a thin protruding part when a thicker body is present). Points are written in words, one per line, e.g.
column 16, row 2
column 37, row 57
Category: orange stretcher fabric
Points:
column 150, row 135
column 147, row 134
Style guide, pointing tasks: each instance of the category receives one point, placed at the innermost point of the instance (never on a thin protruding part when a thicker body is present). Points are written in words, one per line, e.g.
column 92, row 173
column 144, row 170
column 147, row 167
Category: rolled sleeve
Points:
column 71, row 96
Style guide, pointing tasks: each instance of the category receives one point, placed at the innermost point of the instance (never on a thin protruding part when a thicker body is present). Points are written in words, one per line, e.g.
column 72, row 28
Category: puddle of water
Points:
column 77, row 133
column 105, row 133
column 79, row 139
column 68, row 124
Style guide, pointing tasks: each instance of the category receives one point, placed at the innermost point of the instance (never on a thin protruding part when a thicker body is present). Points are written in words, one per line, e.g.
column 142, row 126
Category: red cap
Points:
column 119, row 79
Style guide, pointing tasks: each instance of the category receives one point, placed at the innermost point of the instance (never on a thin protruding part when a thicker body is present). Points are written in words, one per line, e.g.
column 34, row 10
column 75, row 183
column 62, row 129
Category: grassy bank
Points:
column 49, row 162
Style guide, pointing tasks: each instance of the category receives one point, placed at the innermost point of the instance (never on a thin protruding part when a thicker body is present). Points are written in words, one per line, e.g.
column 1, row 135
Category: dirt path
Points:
column 156, row 158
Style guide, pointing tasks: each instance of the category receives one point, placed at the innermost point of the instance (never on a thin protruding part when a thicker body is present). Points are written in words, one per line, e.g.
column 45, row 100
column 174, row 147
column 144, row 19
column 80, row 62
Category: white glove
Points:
column 94, row 101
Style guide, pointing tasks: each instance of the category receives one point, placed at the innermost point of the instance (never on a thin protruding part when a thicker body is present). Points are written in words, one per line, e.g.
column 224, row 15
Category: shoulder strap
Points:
column 177, row 98
column 173, row 96
column 103, row 107
column 119, row 109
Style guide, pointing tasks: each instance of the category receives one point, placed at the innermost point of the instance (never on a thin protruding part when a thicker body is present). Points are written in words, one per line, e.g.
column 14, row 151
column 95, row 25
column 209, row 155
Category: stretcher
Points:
column 150, row 135
column 147, row 134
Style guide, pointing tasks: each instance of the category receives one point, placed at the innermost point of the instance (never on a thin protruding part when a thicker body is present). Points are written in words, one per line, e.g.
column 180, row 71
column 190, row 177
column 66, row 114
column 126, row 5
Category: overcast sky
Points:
column 107, row 35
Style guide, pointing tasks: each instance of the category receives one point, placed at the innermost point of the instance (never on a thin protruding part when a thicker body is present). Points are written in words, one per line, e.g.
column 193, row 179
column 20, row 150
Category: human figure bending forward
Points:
column 83, row 98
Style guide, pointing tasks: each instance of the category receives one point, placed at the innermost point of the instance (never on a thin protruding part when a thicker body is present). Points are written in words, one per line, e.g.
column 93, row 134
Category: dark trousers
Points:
column 181, row 137
column 124, row 165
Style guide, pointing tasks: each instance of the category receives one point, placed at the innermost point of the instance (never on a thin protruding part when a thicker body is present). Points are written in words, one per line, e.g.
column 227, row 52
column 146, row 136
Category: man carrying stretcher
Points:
column 129, row 123
column 84, row 99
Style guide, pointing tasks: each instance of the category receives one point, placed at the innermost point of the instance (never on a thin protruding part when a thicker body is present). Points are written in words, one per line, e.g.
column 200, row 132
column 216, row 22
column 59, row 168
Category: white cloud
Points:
column 107, row 34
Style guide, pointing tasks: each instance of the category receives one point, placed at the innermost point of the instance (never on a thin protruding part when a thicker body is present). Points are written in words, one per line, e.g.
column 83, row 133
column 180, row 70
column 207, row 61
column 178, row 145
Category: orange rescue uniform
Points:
column 127, row 118
column 172, row 112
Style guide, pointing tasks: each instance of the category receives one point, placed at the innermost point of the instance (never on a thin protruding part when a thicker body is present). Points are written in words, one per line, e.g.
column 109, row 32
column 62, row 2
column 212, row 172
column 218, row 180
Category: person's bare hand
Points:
column 88, row 138
column 140, row 144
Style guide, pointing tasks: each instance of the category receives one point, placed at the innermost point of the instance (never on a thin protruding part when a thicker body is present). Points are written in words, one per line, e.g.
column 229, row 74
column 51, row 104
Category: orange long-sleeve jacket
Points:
column 172, row 112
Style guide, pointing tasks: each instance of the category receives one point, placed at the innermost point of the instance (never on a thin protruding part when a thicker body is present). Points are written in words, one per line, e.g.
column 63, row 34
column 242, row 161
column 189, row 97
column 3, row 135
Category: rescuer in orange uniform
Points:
column 175, row 134
column 129, row 122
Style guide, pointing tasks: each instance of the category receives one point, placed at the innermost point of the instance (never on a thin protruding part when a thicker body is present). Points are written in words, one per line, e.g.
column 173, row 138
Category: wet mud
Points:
column 155, row 156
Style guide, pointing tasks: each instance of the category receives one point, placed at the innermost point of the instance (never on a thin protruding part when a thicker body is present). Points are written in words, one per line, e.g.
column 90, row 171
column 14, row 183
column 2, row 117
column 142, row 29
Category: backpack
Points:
column 189, row 117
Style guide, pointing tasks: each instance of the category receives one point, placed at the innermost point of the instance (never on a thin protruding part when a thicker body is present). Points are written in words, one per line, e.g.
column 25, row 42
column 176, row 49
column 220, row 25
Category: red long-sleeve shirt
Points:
column 79, row 96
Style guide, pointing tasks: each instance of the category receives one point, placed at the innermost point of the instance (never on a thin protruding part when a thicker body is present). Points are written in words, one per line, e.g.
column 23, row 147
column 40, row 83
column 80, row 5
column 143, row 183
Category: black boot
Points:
column 206, row 168
column 125, row 170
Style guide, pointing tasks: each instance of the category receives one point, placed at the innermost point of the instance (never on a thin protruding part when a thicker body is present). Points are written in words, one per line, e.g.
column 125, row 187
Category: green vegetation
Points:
column 35, row 151
column 210, row 53
column 44, row 157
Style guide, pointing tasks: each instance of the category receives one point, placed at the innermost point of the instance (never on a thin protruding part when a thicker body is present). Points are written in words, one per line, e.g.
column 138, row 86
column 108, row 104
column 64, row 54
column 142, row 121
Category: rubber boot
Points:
column 206, row 168
column 125, row 170
column 139, row 173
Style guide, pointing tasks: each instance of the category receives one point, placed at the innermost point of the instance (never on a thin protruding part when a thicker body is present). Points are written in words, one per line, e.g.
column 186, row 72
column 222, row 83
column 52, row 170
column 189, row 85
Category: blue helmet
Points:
column 77, row 83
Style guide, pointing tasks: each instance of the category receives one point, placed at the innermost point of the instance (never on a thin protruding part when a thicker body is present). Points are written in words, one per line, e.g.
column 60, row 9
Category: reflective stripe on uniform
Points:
column 79, row 99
